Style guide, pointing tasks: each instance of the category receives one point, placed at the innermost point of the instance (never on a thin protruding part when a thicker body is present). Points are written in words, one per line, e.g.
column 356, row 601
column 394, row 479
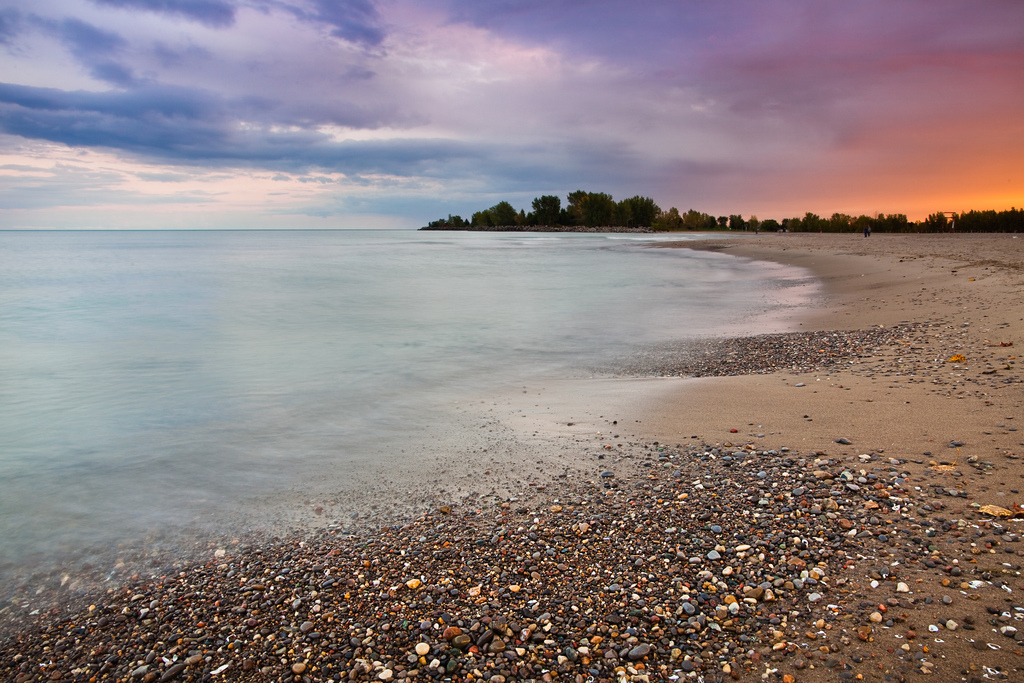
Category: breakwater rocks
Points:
column 545, row 228
column 703, row 561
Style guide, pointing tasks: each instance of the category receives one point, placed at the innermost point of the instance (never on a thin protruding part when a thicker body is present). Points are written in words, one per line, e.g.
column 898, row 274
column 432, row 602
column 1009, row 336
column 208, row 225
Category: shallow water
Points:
column 155, row 380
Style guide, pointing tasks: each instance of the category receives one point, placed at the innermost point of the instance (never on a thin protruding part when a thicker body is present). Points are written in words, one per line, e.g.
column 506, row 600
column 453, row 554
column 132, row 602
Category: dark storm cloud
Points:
column 195, row 127
column 356, row 21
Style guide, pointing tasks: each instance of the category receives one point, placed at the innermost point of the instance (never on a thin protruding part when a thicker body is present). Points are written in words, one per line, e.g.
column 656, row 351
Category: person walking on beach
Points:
column 867, row 231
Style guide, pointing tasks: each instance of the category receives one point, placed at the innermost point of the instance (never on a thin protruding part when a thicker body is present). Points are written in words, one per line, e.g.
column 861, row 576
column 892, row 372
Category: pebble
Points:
column 516, row 590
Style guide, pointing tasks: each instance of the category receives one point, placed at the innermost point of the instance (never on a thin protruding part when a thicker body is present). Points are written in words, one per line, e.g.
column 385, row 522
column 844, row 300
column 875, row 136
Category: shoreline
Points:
column 613, row 598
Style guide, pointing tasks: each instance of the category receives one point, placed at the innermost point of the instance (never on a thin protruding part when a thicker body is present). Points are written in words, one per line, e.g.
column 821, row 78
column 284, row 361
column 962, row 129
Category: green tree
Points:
column 839, row 222
column 736, row 222
column 574, row 206
column 598, row 209
column 502, row 214
column 482, row 219
column 812, row 222
column 546, row 209
column 753, row 223
column 668, row 220
column 770, row 225
column 695, row 220
column 638, row 211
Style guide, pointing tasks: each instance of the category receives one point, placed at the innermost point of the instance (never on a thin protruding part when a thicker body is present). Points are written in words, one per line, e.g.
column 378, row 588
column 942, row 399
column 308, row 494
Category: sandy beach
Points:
column 835, row 504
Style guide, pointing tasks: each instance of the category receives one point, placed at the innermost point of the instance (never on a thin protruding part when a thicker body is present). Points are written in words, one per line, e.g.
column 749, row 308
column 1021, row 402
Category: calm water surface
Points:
column 156, row 379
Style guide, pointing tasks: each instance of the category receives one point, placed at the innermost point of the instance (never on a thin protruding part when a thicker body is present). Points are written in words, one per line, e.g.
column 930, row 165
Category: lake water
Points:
column 156, row 380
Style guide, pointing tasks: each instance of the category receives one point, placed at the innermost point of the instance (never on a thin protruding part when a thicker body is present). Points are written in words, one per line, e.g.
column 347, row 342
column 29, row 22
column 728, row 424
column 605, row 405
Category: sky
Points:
column 196, row 114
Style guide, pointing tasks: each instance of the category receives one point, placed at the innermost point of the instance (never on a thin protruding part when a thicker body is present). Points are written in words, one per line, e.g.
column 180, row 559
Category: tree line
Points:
column 599, row 209
column 588, row 209
column 1011, row 220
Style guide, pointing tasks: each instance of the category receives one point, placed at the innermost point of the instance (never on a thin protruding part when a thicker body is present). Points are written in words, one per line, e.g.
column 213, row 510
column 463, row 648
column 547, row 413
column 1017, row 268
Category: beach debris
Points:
column 956, row 358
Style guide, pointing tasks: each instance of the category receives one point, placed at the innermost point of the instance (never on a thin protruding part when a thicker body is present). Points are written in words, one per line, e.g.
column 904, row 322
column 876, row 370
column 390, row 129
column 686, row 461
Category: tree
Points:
column 737, row 223
column 753, row 223
column 594, row 208
column 638, row 211
column 482, row 219
column 937, row 222
column 502, row 214
column 840, row 222
column 574, row 206
column 812, row 222
column 546, row 209
column 668, row 220
column 770, row 225
column 695, row 220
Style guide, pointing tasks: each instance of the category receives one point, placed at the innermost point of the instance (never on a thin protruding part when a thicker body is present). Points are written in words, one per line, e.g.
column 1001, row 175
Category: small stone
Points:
column 902, row 587
column 298, row 668
column 306, row 626
column 386, row 675
column 876, row 617
column 422, row 649
column 639, row 652
column 952, row 625
column 172, row 672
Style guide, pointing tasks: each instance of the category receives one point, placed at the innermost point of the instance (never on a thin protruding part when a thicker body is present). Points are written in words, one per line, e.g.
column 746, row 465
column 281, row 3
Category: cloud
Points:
column 356, row 21
column 211, row 13
column 96, row 48
column 10, row 25
column 193, row 126
column 688, row 100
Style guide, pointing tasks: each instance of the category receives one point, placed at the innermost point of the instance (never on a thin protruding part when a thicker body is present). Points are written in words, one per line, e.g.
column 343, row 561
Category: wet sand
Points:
column 818, row 519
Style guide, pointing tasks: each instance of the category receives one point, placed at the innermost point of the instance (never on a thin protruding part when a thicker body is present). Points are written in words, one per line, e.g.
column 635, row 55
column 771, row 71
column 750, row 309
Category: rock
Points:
column 298, row 668
column 843, row 440
column 902, row 587
column 172, row 672
column 639, row 652
column 422, row 649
